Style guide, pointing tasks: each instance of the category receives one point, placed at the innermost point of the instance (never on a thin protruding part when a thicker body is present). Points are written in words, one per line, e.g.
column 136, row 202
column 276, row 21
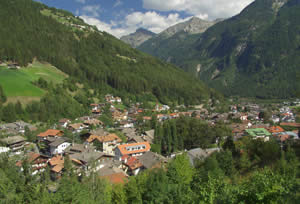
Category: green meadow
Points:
column 18, row 83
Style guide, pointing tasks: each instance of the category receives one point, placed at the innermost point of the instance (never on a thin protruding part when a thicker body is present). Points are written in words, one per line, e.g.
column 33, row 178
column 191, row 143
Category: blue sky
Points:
column 121, row 17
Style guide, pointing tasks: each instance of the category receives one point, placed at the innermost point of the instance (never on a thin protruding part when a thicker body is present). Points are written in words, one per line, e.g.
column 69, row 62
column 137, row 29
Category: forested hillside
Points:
column 255, row 53
column 98, row 60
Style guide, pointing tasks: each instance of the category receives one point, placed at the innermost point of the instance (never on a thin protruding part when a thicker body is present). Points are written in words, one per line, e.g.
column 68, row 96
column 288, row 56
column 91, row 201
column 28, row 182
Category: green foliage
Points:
column 2, row 96
column 187, row 133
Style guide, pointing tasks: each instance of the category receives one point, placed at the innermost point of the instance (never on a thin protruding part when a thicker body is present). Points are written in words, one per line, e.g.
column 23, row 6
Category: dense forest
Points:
column 187, row 133
column 248, row 171
column 33, row 31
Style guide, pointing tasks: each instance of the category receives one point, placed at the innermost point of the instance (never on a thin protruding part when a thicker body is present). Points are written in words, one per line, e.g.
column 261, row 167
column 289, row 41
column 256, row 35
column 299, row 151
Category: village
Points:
column 120, row 146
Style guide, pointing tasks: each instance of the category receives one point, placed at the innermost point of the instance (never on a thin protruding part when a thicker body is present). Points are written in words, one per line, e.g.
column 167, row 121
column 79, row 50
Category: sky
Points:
column 122, row 17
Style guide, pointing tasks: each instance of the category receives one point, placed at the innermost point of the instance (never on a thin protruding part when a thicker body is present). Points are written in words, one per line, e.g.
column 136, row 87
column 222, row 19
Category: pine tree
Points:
column 2, row 96
column 174, row 136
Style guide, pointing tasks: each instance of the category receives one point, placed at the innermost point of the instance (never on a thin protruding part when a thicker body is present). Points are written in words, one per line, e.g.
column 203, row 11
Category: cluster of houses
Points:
column 102, row 152
column 111, row 156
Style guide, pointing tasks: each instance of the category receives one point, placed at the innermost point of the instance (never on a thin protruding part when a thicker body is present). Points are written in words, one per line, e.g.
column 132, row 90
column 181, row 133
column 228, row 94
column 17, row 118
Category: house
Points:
column 77, row 127
column 200, row 154
column 94, row 106
column 14, row 143
column 108, row 142
column 64, row 122
column 111, row 99
column 17, row 127
column 90, row 160
column 126, row 124
column 149, row 136
column 50, row 133
column 58, row 146
column 113, row 174
column 275, row 129
column 93, row 122
column 151, row 160
column 56, row 164
column 131, row 165
column 77, row 148
column 259, row 133
column 118, row 116
column 133, row 149
column 37, row 162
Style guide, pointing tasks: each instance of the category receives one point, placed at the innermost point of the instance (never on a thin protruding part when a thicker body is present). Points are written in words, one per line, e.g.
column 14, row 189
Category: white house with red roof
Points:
column 133, row 149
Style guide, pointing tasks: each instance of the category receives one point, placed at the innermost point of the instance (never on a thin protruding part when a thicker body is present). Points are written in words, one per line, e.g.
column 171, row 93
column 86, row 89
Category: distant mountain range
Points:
column 255, row 53
column 192, row 26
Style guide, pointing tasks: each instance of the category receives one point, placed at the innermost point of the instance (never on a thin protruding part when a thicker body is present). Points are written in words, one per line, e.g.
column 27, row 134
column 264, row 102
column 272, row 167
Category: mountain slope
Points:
column 255, row 53
column 137, row 38
column 96, row 59
column 169, row 44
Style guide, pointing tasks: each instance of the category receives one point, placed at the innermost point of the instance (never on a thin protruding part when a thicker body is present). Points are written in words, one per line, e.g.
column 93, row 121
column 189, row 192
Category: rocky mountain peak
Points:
column 138, row 37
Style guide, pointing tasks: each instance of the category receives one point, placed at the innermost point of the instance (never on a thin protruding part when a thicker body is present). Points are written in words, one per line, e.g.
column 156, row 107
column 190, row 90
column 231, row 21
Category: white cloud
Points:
column 80, row 1
column 149, row 20
column 118, row 3
column 102, row 26
column 91, row 10
column 211, row 8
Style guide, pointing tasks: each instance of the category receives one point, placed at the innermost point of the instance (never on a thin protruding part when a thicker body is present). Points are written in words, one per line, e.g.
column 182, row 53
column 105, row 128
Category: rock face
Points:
column 193, row 26
column 135, row 39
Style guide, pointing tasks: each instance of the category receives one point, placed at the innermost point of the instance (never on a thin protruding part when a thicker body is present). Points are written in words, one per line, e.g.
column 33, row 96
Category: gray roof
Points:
column 109, row 170
column 58, row 141
column 129, row 131
column 136, row 138
column 150, row 159
column 99, row 132
column 75, row 148
column 150, row 134
column 12, row 140
column 87, row 156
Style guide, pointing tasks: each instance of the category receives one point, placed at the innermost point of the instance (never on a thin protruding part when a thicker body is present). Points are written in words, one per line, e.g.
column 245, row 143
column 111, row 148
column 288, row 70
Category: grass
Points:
column 120, row 106
column 17, row 84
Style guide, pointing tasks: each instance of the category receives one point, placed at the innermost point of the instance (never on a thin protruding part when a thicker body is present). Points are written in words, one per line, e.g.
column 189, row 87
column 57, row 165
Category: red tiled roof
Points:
column 275, row 129
column 124, row 151
column 133, row 163
column 116, row 178
column 56, row 160
column 31, row 156
column 58, row 168
column 51, row 132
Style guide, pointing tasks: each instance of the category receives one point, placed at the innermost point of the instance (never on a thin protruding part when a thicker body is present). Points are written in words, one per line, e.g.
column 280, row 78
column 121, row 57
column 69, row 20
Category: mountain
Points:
column 255, row 53
column 194, row 25
column 165, row 43
column 136, row 39
column 95, row 59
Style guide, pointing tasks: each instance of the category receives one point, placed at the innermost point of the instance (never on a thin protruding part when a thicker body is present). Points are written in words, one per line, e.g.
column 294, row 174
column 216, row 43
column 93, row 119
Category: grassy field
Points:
column 17, row 84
